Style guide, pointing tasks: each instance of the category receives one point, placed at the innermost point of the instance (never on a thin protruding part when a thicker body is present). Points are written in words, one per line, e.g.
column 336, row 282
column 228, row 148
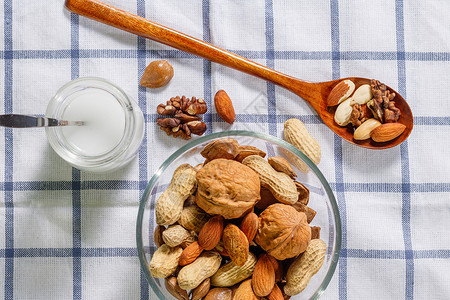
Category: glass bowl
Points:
column 321, row 200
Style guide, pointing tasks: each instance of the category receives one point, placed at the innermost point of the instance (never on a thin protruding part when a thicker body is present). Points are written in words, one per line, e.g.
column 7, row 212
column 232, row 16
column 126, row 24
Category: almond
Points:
column 244, row 291
column 219, row 294
column 157, row 74
column 387, row 132
column 276, row 293
column 363, row 131
column 174, row 289
column 236, row 244
column 201, row 291
column 277, row 267
column 249, row 226
column 340, row 92
column 211, row 233
column 190, row 253
column 263, row 278
column 362, row 94
column 224, row 107
column 343, row 112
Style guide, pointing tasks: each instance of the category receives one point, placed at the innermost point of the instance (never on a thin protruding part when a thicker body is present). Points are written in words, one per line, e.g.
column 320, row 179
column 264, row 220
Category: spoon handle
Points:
column 25, row 121
column 115, row 17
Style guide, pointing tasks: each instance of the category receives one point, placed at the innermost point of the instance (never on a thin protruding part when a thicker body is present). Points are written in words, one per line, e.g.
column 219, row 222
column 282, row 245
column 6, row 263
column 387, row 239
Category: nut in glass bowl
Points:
column 321, row 200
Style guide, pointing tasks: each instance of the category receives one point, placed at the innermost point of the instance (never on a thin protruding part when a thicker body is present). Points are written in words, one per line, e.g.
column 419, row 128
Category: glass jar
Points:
column 113, row 127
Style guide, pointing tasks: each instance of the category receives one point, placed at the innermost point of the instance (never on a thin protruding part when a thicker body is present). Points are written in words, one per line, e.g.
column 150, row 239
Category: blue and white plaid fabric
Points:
column 66, row 234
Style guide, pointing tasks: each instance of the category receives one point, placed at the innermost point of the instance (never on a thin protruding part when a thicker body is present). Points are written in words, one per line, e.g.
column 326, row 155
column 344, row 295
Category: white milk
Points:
column 104, row 122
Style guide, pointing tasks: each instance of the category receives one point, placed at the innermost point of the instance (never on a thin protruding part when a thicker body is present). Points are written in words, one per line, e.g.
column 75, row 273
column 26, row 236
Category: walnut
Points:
column 227, row 187
column 283, row 231
column 382, row 104
column 175, row 128
column 360, row 114
column 183, row 121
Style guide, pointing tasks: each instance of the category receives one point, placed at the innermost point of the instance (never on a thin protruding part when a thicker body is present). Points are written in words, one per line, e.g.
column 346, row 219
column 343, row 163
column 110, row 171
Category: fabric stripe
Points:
column 376, row 187
column 250, row 54
column 76, row 176
column 339, row 172
column 406, row 189
column 142, row 156
column 9, row 151
column 270, row 62
column 207, row 79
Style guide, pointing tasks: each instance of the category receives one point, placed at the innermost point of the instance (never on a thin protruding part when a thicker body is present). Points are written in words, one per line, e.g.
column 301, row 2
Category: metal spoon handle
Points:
column 25, row 121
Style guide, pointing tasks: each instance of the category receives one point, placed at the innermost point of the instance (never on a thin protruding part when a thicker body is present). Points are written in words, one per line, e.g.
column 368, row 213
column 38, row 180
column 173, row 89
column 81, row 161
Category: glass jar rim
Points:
column 56, row 107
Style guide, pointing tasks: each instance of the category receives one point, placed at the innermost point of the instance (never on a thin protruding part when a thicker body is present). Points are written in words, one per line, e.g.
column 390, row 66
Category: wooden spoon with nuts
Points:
column 314, row 93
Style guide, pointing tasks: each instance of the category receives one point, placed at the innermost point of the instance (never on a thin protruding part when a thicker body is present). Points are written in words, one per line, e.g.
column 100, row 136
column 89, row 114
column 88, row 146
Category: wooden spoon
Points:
column 314, row 93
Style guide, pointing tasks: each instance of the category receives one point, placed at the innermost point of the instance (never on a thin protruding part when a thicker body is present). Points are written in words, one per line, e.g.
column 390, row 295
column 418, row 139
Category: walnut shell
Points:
column 228, row 188
column 283, row 231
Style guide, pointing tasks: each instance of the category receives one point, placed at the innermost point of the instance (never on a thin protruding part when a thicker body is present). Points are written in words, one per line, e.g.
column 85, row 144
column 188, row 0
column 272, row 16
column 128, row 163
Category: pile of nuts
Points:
column 235, row 227
column 370, row 109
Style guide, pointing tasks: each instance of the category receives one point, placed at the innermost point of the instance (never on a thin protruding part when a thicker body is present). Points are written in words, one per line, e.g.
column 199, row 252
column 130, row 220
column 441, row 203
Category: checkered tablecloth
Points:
column 66, row 234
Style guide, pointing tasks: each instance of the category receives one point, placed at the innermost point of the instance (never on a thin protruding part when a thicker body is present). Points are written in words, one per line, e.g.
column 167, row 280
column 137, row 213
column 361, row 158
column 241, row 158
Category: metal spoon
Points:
column 314, row 93
column 25, row 121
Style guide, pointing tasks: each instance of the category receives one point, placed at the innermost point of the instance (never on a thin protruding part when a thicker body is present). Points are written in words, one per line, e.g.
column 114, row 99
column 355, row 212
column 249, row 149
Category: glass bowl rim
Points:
column 337, row 220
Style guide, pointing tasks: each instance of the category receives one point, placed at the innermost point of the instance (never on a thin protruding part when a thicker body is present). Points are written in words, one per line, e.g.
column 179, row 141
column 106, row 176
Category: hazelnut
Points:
column 157, row 74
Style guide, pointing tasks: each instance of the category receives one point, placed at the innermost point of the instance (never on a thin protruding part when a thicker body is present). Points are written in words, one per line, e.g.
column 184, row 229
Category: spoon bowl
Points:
column 314, row 93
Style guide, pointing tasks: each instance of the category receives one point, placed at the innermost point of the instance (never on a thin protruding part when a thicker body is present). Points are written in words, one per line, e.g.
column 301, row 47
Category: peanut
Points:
column 193, row 218
column 280, row 184
column 174, row 235
column 204, row 266
column 193, row 237
column 157, row 235
column 170, row 204
column 304, row 267
column 296, row 134
column 230, row 274
column 164, row 261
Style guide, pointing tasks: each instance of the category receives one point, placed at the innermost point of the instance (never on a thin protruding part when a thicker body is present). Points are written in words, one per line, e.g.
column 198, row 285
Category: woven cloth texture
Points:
column 67, row 234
